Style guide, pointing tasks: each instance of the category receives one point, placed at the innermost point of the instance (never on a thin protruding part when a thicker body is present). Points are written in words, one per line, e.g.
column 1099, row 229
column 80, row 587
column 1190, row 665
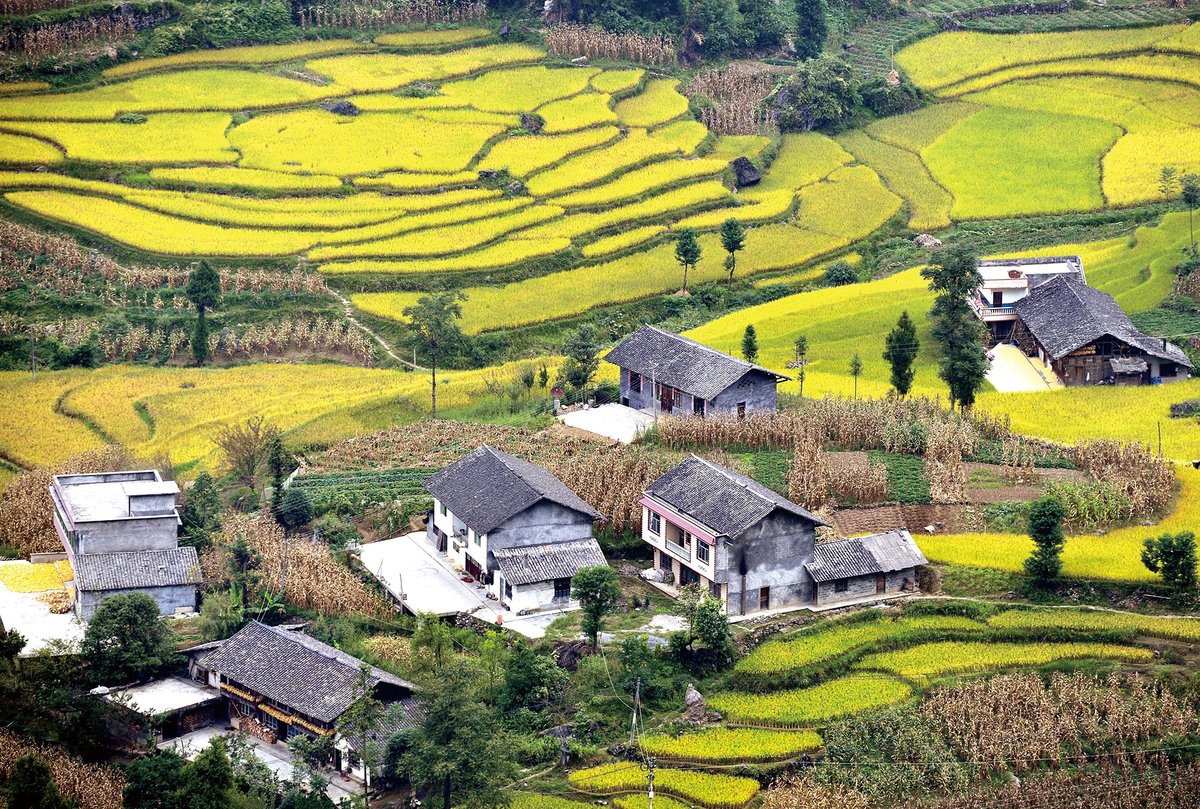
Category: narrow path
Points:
column 348, row 308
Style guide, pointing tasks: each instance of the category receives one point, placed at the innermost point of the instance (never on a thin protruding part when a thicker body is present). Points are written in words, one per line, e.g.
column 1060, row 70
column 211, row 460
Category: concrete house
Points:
column 279, row 683
column 672, row 374
column 740, row 541
column 1085, row 336
column 1009, row 280
column 862, row 567
column 119, row 530
column 513, row 527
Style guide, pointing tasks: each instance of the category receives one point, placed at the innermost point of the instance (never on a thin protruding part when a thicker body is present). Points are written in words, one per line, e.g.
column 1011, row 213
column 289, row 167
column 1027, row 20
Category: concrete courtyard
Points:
column 618, row 422
column 1013, row 372
column 32, row 618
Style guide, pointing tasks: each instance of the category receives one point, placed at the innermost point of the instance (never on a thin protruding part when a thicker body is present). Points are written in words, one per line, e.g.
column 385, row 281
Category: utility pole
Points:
column 637, row 704
column 650, row 781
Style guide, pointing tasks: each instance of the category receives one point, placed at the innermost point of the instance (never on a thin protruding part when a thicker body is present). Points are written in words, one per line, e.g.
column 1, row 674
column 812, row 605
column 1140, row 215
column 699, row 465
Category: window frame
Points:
column 704, row 556
column 654, row 523
column 561, row 593
column 841, row 586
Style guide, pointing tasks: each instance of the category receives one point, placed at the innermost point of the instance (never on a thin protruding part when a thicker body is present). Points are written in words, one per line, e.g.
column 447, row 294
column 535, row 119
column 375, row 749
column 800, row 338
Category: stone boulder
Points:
column 746, row 172
column 532, row 123
column 925, row 240
column 697, row 712
column 656, row 574
column 348, row 108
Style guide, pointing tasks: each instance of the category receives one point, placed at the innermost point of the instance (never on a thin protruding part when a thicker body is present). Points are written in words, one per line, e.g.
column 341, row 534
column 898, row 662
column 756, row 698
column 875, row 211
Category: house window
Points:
column 702, row 552
column 635, row 382
column 270, row 721
column 475, row 536
column 841, row 585
column 715, row 589
column 562, row 589
column 442, row 509
column 655, row 524
column 688, row 576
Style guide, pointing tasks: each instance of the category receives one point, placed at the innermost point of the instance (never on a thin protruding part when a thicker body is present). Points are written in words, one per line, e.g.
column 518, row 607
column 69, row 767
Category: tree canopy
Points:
column 128, row 641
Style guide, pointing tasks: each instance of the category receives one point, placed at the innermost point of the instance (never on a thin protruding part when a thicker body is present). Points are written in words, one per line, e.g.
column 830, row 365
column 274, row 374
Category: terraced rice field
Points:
column 810, row 707
column 921, row 663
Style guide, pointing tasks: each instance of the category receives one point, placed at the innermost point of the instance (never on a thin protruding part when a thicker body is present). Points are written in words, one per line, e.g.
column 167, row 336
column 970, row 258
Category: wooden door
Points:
column 764, row 598
column 880, row 583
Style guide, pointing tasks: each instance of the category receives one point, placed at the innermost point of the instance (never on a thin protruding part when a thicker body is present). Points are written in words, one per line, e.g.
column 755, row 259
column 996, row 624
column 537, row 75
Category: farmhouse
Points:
column 514, row 527
column 119, row 530
column 670, row 373
column 1085, row 336
column 1008, row 280
column 279, row 683
column 861, row 567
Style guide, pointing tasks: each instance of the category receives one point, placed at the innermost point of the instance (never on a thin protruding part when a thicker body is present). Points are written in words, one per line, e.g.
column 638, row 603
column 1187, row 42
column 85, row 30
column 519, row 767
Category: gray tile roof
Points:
column 1064, row 315
column 558, row 560
column 487, row 487
column 720, row 499
column 865, row 556
column 403, row 714
column 681, row 363
column 128, row 570
column 294, row 670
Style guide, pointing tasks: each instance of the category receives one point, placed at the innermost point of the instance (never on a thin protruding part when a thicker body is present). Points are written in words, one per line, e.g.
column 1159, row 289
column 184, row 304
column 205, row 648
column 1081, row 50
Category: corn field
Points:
column 795, row 791
column 1148, row 481
column 853, row 479
column 611, row 480
column 384, row 13
column 569, row 39
column 1018, row 722
column 305, row 572
column 945, row 447
column 738, row 93
column 808, row 473
column 86, row 786
column 86, row 37
column 25, row 506
column 1165, row 787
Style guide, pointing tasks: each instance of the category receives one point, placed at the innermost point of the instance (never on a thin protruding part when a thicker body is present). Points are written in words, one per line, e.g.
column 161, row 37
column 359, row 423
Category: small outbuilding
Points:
column 865, row 567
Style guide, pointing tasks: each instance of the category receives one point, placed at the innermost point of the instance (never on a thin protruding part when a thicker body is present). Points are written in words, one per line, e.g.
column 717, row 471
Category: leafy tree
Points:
column 582, row 350
column 801, row 344
column 685, row 606
column 856, row 371
column 493, row 655
column 295, row 510
column 840, row 273
column 1168, row 181
column 750, row 343
column 221, row 614
column 900, row 351
column 954, row 276
column 207, row 781
column 247, row 448
column 1046, row 517
column 31, row 785
column 721, row 25
column 127, row 641
column 1174, row 556
column 733, row 239
column 433, row 637
column 279, row 461
column 598, row 592
column 152, row 782
column 531, row 679
column 767, row 23
column 687, row 252
column 823, row 94
column 200, row 515
column 433, row 330
column 1189, row 194
column 812, row 27
column 243, row 565
column 360, row 724
column 711, row 626
column 204, row 291
column 458, row 749
column 11, row 644
column 543, row 377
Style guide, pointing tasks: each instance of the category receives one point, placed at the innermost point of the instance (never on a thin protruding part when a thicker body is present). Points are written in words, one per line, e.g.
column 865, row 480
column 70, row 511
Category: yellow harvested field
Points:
column 23, row 577
column 640, row 181
column 409, row 181
column 652, row 207
column 196, row 207
column 237, row 178
column 28, row 400
column 634, row 149
column 617, row 81
column 15, row 87
column 622, row 241
column 197, row 137
column 324, row 143
column 431, row 38
column 657, row 103
column 685, row 135
column 578, row 112
column 731, row 147
column 248, row 55
column 503, row 254
column 521, row 89
column 158, row 233
column 524, row 154
column 1160, row 67
column 444, row 240
column 375, row 72
column 19, row 149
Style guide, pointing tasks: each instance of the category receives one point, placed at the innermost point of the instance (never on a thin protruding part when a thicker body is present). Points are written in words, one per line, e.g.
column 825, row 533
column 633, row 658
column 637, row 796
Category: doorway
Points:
column 880, row 583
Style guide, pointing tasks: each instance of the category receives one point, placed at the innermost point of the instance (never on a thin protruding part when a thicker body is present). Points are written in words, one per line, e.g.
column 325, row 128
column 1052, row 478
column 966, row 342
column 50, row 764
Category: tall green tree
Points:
column 711, row 626
column 750, row 344
column 204, row 291
column 1168, row 181
column 433, row 331
column 582, row 350
column 200, row 516
column 812, row 27
column 1174, row 557
column 1189, row 195
column 127, row 641
column 856, row 371
column 153, row 781
column 954, row 277
column 598, row 593
column 687, row 252
column 801, row 345
column 31, row 785
column 900, row 351
column 360, row 725
column 207, row 781
column 532, row 679
column 1046, row 517
column 459, row 750
column 433, row 637
column 733, row 239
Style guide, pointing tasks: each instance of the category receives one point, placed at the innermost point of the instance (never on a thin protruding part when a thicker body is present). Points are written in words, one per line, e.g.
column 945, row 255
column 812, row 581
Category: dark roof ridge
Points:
column 293, row 636
column 750, row 366
column 502, row 456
